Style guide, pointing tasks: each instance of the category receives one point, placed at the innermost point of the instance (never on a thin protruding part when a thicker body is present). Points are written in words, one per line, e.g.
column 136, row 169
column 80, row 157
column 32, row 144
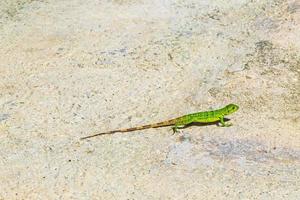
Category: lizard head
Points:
column 231, row 108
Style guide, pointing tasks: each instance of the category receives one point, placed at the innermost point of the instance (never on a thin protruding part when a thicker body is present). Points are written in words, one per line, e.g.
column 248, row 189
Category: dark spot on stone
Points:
column 4, row 117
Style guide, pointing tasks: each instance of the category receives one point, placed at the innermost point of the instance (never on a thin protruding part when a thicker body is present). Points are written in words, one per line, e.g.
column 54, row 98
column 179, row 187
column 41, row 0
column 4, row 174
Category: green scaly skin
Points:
column 180, row 122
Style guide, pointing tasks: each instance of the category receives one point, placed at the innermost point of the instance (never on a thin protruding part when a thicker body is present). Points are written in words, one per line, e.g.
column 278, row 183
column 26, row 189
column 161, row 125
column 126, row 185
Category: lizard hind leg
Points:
column 176, row 127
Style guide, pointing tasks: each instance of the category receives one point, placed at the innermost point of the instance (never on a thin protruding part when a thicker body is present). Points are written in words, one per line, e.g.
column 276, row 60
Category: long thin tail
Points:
column 160, row 124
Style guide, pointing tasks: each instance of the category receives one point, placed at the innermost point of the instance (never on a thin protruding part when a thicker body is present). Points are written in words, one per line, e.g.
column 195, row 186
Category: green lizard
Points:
column 180, row 122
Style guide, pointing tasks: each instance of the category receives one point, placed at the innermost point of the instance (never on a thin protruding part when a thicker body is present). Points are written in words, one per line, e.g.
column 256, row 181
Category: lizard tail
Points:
column 160, row 124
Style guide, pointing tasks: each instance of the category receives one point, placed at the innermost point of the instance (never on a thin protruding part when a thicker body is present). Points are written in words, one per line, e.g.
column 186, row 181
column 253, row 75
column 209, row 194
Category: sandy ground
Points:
column 70, row 68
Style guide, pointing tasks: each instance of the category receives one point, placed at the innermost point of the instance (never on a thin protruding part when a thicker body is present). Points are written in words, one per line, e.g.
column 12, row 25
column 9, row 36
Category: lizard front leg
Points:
column 223, row 124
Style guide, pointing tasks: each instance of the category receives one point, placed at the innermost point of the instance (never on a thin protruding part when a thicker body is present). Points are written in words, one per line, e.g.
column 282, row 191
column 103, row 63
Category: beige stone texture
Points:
column 71, row 68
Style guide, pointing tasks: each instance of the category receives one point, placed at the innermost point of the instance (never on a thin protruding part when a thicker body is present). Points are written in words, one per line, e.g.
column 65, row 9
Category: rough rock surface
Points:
column 69, row 68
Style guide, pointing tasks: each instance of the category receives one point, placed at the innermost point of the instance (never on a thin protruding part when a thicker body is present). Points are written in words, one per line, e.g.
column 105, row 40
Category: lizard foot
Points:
column 226, row 125
column 175, row 129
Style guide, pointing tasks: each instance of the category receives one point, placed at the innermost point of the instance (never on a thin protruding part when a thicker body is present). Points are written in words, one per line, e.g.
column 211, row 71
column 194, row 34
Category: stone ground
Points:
column 70, row 68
